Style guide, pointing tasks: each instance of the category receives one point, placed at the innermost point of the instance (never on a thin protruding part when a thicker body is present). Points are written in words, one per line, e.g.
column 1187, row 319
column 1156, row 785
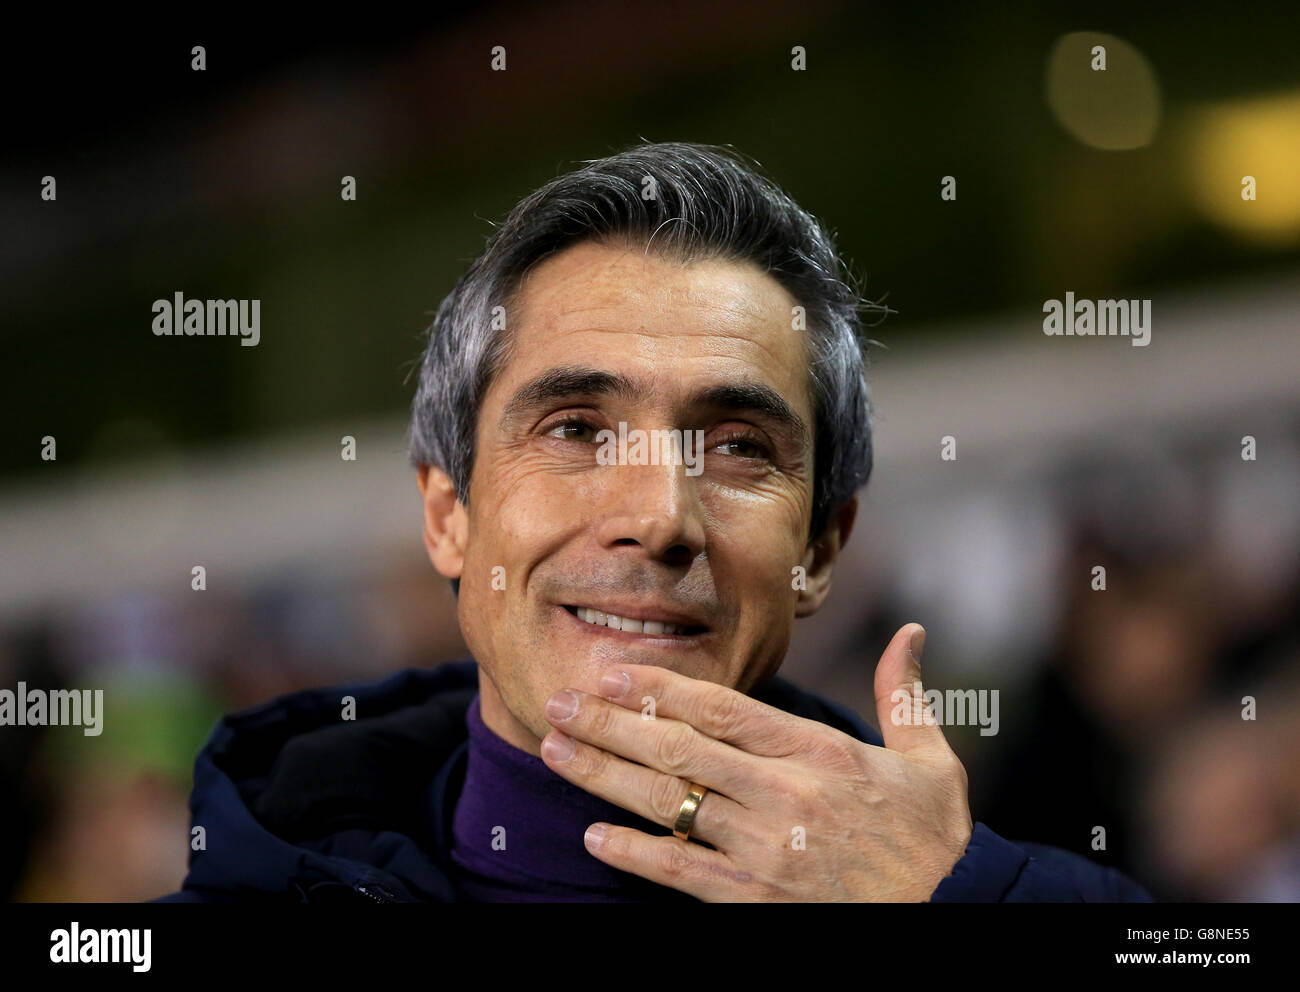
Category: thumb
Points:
column 906, row 723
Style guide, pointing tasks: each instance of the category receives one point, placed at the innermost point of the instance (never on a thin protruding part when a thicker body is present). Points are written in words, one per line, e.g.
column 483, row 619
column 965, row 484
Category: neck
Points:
column 518, row 830
column 498, row 718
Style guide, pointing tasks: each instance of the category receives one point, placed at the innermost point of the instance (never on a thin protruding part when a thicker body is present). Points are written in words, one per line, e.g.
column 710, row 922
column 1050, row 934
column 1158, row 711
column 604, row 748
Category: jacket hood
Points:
column 296, row 802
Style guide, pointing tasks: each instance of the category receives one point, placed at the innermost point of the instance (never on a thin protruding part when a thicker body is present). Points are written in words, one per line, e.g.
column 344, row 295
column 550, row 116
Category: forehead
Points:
column 674, row 323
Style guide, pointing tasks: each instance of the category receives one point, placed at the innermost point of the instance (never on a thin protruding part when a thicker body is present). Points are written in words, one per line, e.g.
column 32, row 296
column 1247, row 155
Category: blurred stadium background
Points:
column 1119, row 709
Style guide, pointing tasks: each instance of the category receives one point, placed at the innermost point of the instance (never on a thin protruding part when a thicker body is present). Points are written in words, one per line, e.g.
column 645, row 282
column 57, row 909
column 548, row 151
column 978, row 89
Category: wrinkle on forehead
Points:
column 583, row 285
column 720, row 341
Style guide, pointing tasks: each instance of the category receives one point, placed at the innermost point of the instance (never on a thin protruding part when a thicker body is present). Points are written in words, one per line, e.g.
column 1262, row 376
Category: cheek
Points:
column 761, row 529
column 757, row 542
column 527, row 488
column 517, row 510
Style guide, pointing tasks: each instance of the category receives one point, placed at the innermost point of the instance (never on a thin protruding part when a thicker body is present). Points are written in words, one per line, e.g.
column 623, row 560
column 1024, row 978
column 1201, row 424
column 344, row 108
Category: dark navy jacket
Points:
column 301, row 805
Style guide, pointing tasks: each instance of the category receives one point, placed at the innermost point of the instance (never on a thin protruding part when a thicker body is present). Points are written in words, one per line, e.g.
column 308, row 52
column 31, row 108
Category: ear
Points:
column 446, row 524
column 819, row 559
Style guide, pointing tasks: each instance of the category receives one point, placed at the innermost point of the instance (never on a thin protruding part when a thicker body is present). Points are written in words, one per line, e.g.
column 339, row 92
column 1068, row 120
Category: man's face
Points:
column 607, row 335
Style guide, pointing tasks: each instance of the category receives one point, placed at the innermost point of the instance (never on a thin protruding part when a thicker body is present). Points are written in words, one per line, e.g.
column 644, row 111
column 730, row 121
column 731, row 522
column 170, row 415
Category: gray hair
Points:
column 708, row 203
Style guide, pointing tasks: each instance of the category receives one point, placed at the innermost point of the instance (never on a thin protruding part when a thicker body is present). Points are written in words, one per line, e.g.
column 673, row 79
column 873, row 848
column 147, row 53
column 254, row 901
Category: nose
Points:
column 656, row 507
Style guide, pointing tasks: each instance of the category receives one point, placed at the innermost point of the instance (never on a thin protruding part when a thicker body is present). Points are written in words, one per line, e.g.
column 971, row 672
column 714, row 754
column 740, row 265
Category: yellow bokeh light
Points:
column 1258, row 137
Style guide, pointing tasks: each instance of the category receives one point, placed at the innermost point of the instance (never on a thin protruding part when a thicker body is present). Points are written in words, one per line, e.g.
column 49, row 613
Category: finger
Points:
column 721, row 713
column 907, row 724
column 650, row 794
column 707, row 875
column 669, row 746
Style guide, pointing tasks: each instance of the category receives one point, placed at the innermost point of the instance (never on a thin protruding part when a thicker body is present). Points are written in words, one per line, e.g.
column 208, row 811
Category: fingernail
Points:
column 615, row 684
column 557, row 746
column 562, row 705
column 595, row 834
column 917, row 645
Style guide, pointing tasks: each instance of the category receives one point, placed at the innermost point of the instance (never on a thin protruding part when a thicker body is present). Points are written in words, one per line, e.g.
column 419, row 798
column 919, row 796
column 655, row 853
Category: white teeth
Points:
column 615, row 622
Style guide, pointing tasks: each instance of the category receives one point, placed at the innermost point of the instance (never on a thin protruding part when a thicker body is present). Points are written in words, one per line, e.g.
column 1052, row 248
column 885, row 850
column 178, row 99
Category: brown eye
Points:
column 742, row 448
column 573, row 430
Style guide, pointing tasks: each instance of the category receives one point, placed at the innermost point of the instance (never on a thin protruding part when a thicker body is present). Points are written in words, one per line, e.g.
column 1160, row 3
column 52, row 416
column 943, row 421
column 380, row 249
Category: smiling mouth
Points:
column 652, row 628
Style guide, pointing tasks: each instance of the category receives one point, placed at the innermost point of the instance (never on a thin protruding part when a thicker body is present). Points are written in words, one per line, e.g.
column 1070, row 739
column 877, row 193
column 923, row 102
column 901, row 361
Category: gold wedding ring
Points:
column 686, row 815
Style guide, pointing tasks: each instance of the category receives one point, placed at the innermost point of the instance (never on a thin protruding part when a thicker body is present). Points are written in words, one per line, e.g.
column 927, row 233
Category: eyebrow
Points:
column 572, row 381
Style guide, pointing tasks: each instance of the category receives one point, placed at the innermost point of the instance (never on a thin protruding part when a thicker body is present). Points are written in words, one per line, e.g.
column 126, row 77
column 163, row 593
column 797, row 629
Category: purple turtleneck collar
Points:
column 518, row 827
